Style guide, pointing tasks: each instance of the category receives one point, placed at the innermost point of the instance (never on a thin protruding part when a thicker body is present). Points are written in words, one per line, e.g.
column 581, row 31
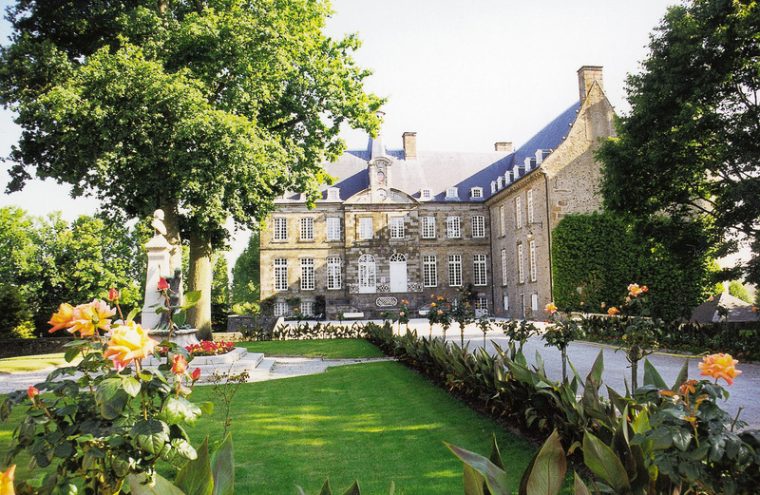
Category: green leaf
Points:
column 548, row 470
column 640, row 422
column 133, row 313
column 191, row 299
column 131, row 386
column 159, row 486
column 150, row 435
column 681, row 439
column 180, row 317
column 580, row 486
column 179, row 410
column 652, row 376
column 496, row 478
column 184, row 449
column 604, row 463
column 683, row 375
column 495, row 456
column 223, row 468
column 326, row 488
column 474, row 482
column 111, row 398
column 353, row 489
column 195, row 478
column 71, row 353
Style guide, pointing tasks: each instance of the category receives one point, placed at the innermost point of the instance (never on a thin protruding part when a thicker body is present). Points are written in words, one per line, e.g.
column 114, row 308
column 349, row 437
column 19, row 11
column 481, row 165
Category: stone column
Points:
column 159, row 265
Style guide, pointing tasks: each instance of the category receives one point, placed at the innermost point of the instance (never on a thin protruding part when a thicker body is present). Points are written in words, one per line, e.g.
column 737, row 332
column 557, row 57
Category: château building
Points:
column 408, row 224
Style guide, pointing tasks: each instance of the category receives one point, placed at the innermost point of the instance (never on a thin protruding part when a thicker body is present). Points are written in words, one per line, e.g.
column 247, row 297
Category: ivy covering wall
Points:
column 595, row 256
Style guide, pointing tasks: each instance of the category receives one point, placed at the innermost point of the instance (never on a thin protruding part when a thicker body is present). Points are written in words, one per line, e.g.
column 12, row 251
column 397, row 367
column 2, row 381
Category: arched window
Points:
column 398, row 257
column 367, row 276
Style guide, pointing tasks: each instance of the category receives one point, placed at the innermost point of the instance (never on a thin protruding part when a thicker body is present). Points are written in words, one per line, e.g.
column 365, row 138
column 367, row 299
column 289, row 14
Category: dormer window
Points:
column 493, row 186
column 426, row 194
column 507, row 177
column 499, row 183
column 452, row 193
column 333, row 194
column 476, row 192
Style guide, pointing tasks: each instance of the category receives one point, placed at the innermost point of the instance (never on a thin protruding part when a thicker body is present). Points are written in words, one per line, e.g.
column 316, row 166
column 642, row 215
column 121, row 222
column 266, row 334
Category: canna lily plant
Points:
column 103, row 424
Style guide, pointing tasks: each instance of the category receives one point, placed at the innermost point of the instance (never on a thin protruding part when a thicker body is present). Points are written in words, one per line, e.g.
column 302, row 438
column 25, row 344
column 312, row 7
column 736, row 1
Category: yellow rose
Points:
column 720, row 366
column 613, row 311
column 128, row 343
column 62, row 318
column 91, row 317
column 6, row 481
column 551, row 308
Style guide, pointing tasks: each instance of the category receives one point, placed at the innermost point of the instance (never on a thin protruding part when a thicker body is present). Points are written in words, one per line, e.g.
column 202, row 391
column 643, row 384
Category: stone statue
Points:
column 158, row 223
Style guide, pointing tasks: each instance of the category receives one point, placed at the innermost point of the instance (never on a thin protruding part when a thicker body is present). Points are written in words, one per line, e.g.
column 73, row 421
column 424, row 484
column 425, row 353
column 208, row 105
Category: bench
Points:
column 357, row 315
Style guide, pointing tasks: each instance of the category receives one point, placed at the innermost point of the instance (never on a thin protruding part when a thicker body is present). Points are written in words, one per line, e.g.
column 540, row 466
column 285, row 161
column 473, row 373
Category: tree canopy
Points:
column 689, row 145
column 208, row 109
column 246, row 273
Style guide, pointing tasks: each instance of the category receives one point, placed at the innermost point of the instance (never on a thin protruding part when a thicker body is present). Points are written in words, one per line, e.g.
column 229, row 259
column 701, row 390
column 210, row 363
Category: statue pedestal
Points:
column 182, row 337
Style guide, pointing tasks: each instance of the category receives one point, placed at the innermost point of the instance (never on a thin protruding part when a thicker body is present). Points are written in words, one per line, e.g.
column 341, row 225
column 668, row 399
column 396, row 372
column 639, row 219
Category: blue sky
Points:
column 462, row 74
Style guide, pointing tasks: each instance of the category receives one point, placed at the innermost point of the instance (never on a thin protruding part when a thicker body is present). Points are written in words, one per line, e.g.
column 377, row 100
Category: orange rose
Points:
column 720, row 366
column 32, row 392
column 62, row 318
column 550, row 308
column 613, row 311
column 128, row 343
column 179, row 364
column 688, row 387
column 6, row 481
column 91, row 317
column 634, row 290
column 196, row 374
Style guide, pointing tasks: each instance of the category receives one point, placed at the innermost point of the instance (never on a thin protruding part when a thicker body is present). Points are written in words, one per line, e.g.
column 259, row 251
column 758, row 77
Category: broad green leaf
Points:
column 652, row 376
column 325, row 488
column 683, row 375
column 133, row 313
column 547, row 473
column 191, row 299
column 180, row 317
column 640, row 423
column 131, row 386
column 496, row 478
column 353, row 489
column 159, row 486
column 580, row 486
column 474, row 482
column 223, row 468
column 183, row 448
column 110, row 398
column 150, row 435
column 604, row 463
column 195, row 478
column 495, row 456
column 180, row 410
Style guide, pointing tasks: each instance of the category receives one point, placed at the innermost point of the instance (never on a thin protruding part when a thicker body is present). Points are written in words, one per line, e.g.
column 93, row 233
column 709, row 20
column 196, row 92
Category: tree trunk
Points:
column 200, row 279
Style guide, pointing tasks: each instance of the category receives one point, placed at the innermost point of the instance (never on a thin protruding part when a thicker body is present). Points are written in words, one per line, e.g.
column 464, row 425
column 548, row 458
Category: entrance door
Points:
column 398, row 272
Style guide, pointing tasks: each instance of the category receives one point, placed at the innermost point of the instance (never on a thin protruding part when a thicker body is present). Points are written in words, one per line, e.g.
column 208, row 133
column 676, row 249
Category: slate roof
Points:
column 439, row 170
column 738, row 310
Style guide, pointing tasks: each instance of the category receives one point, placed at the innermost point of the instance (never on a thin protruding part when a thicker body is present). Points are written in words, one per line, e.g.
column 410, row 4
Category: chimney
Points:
column 586, row 77
column 503, row 146
column 410, row 145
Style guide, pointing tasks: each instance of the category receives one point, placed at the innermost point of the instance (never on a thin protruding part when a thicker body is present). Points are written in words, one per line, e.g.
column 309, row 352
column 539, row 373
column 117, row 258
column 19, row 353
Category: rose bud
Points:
column 196, row 374
column 32, row 392
column 163, row 284
column 113, row 294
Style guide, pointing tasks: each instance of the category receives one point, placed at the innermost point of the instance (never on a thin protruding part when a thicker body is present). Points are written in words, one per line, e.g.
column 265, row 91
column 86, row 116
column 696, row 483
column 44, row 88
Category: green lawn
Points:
column 324, row 348
column 375, row 422
column 31, row 363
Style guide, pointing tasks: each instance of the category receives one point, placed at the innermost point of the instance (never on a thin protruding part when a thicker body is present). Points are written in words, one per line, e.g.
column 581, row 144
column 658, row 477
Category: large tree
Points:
column 246, row 274
column 208, row 109
column 691, row 142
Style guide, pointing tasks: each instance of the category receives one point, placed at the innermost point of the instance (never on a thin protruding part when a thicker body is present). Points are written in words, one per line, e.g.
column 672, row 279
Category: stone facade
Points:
column 370, row 242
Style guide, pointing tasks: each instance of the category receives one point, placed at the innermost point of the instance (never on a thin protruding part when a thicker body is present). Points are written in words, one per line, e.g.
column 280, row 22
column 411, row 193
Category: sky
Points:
column 462, row 74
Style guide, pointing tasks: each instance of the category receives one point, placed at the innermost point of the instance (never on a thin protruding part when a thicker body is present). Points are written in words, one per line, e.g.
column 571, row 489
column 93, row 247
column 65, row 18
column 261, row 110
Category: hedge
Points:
column 595, row 256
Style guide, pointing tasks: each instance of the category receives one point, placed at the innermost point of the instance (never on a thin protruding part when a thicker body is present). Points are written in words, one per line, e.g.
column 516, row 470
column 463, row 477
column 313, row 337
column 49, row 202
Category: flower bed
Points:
column 210, row 348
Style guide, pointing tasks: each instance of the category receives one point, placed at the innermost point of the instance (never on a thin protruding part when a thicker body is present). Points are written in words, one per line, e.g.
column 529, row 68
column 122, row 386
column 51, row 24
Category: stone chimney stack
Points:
column 410, row 145
column 586, row 77
column 503, row 146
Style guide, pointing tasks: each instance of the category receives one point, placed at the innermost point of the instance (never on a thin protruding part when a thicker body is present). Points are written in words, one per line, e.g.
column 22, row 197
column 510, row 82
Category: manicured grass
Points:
column 38, row 362
column 375, row 422
column 324, row 348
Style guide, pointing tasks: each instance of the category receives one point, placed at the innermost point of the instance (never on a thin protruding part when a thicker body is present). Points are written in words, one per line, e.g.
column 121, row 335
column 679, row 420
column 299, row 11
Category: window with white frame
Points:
column 426, row 194
column 333, row 194
column 506, row 302
column 307, row 229
column 280, row 274
column 280, row 229
column 520, row 264
column 476, row 192
column 534, row 302
column 428, row 227
column 452, row 193
column 365, row 228
column 280, row 308
column 307, row 308
column 334, row 272
column 518, row 213
column 453, row 228
column 502, row 221
column 397, row 227
column 429, row 271
column 503, row 267
column 493, row 186
column 367, row 273
column 479, row 269
column 333, row 229
column 532, row 260
column 455, row 270
column 530, row 206
column 499, row 182
column 307, row 273
column 478, row 226
column 481, row 304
